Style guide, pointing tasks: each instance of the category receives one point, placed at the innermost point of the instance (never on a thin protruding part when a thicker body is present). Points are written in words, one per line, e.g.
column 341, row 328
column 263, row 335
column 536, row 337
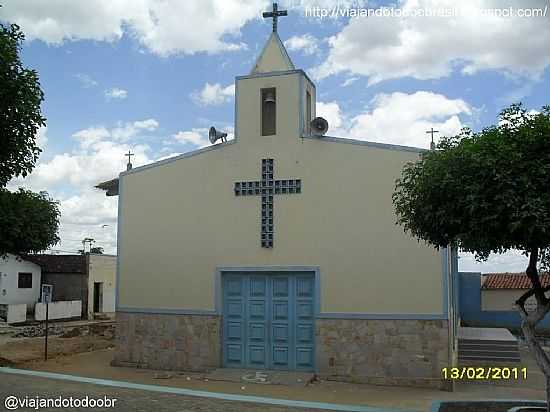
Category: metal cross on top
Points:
column 432, row 131
column 129, row 156
column 275, row 14
column 266, row 188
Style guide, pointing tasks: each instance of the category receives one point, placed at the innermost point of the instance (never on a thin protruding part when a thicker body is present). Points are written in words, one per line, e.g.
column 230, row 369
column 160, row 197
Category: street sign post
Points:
column 47, row 293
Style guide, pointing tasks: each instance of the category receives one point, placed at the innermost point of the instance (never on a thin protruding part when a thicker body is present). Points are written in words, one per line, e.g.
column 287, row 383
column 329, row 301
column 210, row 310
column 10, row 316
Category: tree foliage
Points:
column 28, row 222
column 20, row 114
column 488, row 192
column 485, row 192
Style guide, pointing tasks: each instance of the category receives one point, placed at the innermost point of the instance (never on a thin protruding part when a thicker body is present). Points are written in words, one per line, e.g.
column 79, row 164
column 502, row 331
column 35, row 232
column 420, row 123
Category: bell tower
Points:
column 275, row 101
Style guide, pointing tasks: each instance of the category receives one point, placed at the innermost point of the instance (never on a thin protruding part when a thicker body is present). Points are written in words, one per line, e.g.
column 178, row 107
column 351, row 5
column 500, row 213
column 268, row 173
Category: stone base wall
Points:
column 385, row 352
column 168, row 342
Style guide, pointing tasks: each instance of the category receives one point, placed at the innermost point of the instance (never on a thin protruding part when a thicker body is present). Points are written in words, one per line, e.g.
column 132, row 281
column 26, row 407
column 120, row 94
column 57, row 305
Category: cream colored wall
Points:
column 102, row 268
column 181, row 220
column 287, row 110
column 271, row 58
column 502, row 299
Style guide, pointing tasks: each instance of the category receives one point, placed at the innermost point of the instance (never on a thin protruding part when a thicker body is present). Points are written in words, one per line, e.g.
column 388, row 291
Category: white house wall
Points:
column 102, row 268
column 10, row 267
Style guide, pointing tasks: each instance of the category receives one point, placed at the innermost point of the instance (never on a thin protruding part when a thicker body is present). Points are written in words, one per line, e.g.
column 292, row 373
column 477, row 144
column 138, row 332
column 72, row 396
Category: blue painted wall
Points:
column 470, row 307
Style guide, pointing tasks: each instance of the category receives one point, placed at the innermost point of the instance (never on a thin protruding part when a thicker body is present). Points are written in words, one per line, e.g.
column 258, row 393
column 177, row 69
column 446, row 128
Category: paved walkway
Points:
column 97, row 365
column 16, row 388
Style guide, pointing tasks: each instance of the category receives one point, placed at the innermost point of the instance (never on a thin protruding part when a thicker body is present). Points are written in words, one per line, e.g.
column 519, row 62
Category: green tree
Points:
column 28, row 221
column 20, row 115
column 488, row 192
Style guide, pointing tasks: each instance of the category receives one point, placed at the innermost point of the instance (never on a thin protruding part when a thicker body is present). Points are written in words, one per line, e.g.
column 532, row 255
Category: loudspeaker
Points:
column 214, row 135
column 319, row 126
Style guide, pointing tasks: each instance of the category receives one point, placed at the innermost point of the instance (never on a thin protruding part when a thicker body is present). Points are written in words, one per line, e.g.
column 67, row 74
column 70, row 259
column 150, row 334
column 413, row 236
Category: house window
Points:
column 24, row 281
column 308, row 112
column 269, row 110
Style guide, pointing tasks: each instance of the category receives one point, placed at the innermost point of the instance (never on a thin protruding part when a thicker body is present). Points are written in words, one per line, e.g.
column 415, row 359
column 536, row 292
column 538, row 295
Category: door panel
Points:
column 234, row 320
column 256, row 345
column 268, row 321
column 281, row 345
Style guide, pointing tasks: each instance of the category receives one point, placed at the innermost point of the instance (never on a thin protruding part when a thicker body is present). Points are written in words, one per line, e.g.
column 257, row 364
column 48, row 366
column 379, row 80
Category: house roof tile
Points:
column 511, row 281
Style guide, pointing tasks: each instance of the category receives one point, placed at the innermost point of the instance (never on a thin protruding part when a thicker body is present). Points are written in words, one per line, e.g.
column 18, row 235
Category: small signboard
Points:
column 47, row 293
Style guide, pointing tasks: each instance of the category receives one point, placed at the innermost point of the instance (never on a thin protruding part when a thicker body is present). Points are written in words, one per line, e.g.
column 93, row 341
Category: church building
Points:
column 279, row 250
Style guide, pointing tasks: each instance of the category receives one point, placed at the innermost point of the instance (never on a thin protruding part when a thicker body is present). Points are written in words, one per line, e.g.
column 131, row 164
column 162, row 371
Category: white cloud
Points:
column 196, row 137
column 86, row 80
column 123, row 132
column 333, row 114
column 70, row 177
column 349, row 81
column 305, row 43
column 163, row 27
column 399, row 118
column 433, row 47
column 512, row 261
column 213, row 94
column 116, row 93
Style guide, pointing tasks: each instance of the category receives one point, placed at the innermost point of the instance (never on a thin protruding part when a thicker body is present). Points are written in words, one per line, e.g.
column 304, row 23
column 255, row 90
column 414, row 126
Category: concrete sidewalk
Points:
column 97, row 365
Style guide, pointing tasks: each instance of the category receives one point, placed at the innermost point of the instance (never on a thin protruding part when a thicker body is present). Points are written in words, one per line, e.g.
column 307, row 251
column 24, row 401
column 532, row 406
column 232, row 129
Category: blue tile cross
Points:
column 266, row 188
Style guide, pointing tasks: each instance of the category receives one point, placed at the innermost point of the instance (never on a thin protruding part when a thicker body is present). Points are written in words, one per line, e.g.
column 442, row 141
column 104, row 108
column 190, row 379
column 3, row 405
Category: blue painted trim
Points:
column 377, row 145
column 118, row 243
column 445, row 262
column 381, row 316
column 301, row 105
column 167, row 311
column 195, row 393
column 319, row 315
column 437, row 404
column 175, row 158
column 236, row 120
column 275, row 73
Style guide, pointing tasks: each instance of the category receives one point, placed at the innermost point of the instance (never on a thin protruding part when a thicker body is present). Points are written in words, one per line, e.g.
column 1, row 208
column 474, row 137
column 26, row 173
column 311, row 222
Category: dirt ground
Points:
column 18, row 351
column 96, row 364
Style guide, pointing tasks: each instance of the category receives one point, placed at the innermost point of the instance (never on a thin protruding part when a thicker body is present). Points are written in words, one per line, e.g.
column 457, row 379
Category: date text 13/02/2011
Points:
column 484, row 373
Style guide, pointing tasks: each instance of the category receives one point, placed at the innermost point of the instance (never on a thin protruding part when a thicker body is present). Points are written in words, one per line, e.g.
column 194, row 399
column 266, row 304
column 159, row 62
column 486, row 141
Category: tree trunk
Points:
column 530, row 320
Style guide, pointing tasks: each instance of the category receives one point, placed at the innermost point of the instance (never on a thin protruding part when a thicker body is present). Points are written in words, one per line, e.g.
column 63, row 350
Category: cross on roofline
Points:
column 432, row 131
column 274, row 14
column 129, row 156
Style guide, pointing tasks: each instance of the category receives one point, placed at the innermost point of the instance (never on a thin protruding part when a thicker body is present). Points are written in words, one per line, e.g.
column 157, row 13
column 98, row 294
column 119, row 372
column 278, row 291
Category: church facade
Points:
column 279, row 250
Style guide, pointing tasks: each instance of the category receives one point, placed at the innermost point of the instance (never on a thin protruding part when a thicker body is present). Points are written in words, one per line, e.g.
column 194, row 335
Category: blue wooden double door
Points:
column 268, row 321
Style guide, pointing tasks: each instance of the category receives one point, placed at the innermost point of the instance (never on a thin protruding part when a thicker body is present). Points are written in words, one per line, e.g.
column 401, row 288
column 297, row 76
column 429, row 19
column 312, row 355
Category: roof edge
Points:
column 176, row 158
column 378, row 145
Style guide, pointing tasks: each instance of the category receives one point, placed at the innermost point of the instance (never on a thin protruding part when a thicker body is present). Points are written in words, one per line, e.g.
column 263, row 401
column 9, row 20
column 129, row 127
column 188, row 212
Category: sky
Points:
column 152, row 76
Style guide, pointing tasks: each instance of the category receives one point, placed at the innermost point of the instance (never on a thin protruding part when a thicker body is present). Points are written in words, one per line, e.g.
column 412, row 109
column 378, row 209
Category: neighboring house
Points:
column 488, row 300
column 101, row 285
column 89, row 278
column 279, row 250
column 499, row 291
column 19, row 281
